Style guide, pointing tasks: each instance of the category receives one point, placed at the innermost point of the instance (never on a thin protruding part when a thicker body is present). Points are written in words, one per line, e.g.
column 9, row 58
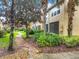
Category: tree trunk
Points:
column 70, row 25
column 44, row 23
column 10, row 48
column 71, row 9
column 43, row 12
column 27, row 31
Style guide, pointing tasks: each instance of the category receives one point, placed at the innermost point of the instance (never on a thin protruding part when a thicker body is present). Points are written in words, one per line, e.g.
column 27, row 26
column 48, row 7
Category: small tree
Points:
column 11, row 14
column 25, row 10
column 10, row 48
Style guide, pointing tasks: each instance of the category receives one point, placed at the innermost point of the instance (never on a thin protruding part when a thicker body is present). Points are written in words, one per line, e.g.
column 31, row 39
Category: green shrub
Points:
column 8, row 30
column 54, row 40
column 37, row 31
column 45, row 39
column 1, row 33
column 31, row 32
column 24, row 34
column 36, row 36
column 42, row 40
column 71, row 41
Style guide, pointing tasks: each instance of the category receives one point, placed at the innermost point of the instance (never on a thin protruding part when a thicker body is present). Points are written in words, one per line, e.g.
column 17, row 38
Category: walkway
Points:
column 68, row 55
column 25, row 45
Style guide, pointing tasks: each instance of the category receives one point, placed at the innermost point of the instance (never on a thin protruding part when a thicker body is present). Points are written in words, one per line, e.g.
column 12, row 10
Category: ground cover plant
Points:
column 45, row 39
column 71, row 41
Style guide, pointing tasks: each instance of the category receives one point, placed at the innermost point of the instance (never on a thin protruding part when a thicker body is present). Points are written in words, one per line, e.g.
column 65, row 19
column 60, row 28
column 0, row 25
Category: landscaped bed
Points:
column 52, row 43
column 53, row 49
column 46, row 39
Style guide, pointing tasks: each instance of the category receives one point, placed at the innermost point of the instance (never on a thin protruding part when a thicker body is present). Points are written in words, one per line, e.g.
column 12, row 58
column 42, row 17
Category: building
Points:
column 36, row 26
column 57, row 19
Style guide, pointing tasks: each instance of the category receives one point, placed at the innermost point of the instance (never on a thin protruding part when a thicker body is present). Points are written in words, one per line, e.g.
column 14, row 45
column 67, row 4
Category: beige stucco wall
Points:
column 36, row 24
column 63, row 21
column 76, row 21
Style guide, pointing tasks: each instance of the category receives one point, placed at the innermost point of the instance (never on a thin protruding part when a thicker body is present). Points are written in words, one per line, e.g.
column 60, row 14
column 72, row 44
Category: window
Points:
column 46, row 27
column 58, row 11
column 54, row 13
column 54, row 27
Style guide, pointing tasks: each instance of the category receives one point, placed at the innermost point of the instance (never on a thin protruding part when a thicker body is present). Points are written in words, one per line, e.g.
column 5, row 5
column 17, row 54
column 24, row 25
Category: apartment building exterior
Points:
column 57, row 19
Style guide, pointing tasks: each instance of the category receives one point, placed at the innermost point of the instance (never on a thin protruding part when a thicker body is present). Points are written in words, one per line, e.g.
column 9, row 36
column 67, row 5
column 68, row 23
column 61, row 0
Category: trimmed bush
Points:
column 54, row 40
column 41, row 39
column 8, row 30
column 1, row 33
column 45, row 39
column 71, row 41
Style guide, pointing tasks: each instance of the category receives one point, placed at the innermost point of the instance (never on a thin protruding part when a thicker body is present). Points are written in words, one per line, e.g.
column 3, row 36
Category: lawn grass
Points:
column 23, row 33
column 4, row 42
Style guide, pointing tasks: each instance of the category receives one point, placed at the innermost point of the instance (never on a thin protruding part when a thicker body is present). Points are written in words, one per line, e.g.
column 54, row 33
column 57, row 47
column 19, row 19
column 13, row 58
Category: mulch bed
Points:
column 57, row 49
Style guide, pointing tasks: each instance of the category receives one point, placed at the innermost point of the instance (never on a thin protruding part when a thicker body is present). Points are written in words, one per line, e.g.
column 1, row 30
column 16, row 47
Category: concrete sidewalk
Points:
column 66, row 55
